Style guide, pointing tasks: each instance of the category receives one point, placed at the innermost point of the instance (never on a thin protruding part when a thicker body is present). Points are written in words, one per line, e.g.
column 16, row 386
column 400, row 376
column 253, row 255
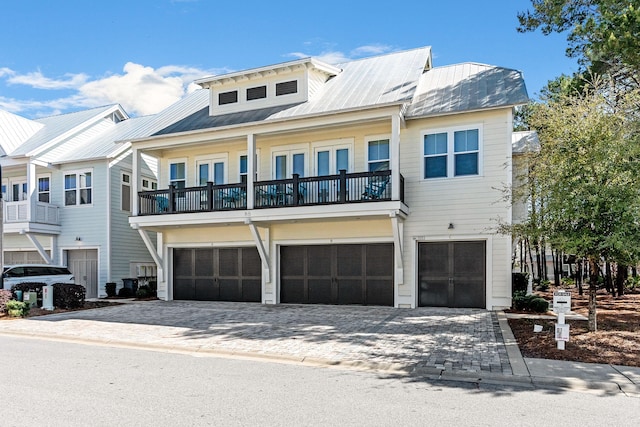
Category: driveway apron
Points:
column 452, row 340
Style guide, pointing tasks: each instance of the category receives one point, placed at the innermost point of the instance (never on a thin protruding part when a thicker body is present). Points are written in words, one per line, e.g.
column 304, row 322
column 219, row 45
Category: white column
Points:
column 251, row 168
column 31, row 191
column 394, row 148
column 135, row 185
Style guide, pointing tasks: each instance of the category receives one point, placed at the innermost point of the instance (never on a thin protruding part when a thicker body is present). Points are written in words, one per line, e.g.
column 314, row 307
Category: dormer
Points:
column 281, row 84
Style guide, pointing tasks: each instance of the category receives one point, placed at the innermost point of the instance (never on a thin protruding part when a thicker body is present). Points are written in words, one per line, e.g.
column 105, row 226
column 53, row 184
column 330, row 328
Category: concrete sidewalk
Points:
column 456, row 344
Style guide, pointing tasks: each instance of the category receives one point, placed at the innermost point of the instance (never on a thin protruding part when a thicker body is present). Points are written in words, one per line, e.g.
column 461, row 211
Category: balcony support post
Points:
column 397, row 227
column 263, row 249
column 36, row 244
column 394, row 148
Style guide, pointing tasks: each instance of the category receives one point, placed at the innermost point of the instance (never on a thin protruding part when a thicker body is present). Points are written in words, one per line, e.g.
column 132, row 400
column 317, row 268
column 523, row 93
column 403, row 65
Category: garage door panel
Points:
column 295, row 264
column 203, row 262
column 228, row 259
column 293, row 291
column 206, row 290
column 252, row 289
column 434, row 293
column 183, row 289
column 322, row 261
column 469, row 294
column 319, row 291
column 469, row 259
column 377, row 259
column 379, row 292
column 350, row 291
column 251, row 263
column 182, row 262
column 229, row 290
column 434, row 259
column 349, row 260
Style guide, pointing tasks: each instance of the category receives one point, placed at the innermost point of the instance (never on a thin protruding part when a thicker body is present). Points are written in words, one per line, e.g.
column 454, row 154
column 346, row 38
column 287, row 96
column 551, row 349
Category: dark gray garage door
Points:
column 337, row 274
column 224, row 274
column 452, row 274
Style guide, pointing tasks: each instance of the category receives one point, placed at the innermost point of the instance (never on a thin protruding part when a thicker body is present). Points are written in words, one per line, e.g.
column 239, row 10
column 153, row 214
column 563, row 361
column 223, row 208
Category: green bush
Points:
column 142, row 292
column 544, row 285
column 534, row 303
column 567, row 282
column 5, row 297
column 110, row 289
column 17, row 308
column 66, row 295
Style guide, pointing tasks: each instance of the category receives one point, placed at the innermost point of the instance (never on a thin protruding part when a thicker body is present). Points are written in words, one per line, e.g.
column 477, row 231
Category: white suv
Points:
column 41, row 273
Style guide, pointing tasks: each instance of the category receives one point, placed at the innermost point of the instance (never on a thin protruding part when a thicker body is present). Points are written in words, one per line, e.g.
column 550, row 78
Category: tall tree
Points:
column 588, row 174
column 598, row 31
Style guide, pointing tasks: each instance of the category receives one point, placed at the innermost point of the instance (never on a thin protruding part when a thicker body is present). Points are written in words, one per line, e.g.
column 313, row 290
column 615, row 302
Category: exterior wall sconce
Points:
column 451, row 227
column 78, row 239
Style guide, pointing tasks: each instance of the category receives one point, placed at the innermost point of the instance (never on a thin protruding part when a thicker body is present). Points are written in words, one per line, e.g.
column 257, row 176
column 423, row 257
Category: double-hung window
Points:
column 44, row 191
column 378, row 155
column 78, row 188
column 125, row 192
column 451, row 153
column 178, row 174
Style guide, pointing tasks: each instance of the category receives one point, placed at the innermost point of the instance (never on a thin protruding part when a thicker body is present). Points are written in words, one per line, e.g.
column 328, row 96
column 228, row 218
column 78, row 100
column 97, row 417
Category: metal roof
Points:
column 365, row 83
column 467, row 87
column 14, row 130
column 61, row 127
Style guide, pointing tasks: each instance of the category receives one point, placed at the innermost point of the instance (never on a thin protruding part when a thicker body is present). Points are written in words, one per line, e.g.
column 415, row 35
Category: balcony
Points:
column 44, row 213
column 293, row 192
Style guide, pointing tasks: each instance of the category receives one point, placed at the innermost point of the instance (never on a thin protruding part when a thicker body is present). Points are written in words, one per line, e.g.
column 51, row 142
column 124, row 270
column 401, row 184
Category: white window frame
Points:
column 186, row 171
column 372, row 138
column 332, row 146
column 450, row 131
column 289, row 152
column 38, row 178
column 123, row 184
column 211, row 160
column 78, row 189
column 21, row 182
column 256, row 163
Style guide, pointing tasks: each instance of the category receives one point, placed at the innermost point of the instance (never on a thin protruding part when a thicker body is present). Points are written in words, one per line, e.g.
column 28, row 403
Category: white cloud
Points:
column 337, row 57
column 140, row 89
column 39, row 81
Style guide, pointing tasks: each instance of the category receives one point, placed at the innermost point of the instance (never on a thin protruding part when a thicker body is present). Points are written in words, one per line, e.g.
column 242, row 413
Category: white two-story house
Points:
column 67, row 194
column 372, row 182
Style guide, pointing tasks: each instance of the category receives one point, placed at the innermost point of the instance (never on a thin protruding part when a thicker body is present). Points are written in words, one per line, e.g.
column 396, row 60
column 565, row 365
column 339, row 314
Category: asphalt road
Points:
column 65, row 384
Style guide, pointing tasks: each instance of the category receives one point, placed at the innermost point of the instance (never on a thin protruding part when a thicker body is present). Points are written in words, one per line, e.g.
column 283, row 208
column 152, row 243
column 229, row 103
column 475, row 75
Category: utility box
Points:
column 47, row 297
column 30, row 298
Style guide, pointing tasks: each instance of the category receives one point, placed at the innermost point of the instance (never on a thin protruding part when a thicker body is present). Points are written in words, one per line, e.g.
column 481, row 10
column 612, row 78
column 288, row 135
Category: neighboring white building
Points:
column 67, row 193
column 374, row 182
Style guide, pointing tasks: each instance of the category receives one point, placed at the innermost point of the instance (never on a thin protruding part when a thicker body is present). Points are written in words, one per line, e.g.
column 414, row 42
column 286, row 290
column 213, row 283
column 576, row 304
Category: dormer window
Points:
column 286, row 88
column 259, row 92
column 228, row 97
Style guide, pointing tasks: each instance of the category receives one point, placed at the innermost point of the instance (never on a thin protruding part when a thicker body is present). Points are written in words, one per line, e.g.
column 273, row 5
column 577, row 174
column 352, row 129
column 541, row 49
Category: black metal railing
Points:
column 296, row 191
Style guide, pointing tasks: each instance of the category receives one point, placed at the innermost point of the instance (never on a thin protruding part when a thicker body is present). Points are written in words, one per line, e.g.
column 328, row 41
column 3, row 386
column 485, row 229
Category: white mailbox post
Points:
column 561, row 305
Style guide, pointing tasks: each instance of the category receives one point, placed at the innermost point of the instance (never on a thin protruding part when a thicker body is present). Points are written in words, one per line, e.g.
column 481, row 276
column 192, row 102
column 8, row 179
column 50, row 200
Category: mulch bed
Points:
column 617, row 340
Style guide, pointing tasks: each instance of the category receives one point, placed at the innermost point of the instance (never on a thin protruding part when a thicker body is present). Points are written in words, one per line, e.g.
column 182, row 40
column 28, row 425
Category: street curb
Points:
column 518, row 365
column 520, row 381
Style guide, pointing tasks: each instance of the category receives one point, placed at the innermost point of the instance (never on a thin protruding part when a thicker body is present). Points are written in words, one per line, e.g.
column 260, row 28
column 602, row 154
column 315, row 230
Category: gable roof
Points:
column 366, row 83
column 14, row 130
column 56, row 129
column 467, row 87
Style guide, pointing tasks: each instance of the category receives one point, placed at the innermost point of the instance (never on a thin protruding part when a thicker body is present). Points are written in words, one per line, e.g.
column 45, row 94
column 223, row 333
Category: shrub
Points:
column 519, row 282
column 110, row 289
column 544, row 285
column 17, row 308
column 125, row 292
column 66, row 295
column 535, row 303
column 142, row 292
column 153, row 288
column 5, row 297
column 567, row 282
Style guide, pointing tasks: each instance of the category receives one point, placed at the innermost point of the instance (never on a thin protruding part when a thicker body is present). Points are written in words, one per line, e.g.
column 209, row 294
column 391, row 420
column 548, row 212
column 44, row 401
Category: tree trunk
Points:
column 621, row 277
column 608, row 281
column 557, row 266
column 593, row 287
column 579, row 277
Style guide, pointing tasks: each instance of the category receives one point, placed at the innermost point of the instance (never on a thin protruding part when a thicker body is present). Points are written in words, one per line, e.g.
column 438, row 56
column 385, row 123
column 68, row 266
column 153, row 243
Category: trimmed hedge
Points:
column 66, row 295
column 535, row 303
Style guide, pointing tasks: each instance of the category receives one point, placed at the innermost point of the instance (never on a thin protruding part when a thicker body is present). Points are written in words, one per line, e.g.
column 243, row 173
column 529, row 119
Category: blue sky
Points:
column 66, row 55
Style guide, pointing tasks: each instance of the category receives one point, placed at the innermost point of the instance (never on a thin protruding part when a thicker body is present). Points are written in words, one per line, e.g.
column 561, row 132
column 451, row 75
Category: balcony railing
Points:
column 44, row 213
column 296, row 191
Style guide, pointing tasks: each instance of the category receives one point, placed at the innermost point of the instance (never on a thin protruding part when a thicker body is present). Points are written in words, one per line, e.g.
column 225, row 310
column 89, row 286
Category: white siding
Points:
column 472, row 204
